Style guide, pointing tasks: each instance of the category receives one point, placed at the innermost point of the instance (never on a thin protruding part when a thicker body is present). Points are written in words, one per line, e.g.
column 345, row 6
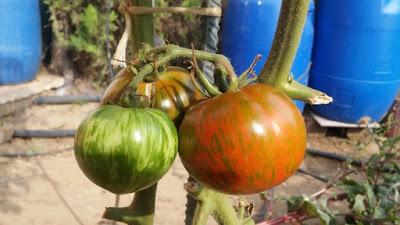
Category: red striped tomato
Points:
column 243, row 141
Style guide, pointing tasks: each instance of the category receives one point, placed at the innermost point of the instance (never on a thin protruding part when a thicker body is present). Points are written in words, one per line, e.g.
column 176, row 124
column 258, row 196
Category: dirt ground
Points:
column 51, row 189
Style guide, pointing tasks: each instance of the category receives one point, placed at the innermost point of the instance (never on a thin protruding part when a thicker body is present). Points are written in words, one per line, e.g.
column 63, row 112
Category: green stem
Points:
column 218, row 59
column 149, row 68
column 170, row 52
column 211, row 89
column 140, row 212
column 286, row 41
column 210, row 202
column 276, row 71
column 143, row 27
column 203, row 210
column 296, row 90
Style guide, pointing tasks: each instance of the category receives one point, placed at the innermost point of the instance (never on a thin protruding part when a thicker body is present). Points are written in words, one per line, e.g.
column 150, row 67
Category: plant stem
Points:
column 286, row 41
column 276, row 71
column 170, row 52
column 161, row 56
column 143, row 26
column 210, row 202
column 211, row 11
column 140, row 212
column 211, row 89
column 218, row 59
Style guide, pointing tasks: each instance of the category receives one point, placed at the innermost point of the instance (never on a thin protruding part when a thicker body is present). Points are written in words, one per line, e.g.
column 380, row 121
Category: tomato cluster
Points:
column 240, row 142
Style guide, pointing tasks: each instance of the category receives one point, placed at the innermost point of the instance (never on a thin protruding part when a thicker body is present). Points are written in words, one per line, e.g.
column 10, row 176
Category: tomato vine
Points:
column 150, row 61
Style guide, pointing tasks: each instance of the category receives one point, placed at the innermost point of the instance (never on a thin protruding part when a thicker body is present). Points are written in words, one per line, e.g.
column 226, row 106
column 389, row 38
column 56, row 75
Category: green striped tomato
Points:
column 125, row 150
column 243, row 141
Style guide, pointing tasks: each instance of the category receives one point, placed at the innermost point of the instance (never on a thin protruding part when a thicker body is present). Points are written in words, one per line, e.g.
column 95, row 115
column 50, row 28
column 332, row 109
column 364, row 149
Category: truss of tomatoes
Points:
column 240, row 142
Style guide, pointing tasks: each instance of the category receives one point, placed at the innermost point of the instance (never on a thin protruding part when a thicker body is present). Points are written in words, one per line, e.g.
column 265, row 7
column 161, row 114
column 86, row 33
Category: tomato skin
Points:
column 125, row 150
column 243, row 141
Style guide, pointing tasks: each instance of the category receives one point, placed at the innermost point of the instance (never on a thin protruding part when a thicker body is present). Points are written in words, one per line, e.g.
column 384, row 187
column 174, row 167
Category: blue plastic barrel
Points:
column 356, row 58
column 20, row 40
column 248, row 29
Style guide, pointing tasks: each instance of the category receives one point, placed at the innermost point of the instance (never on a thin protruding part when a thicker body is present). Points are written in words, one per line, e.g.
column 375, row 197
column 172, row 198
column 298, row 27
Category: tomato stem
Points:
column 276, row 70
column 219, row 206
column 179, row 52
column 170, row 52
column 143, row 27
column 211, row 89
column 140, row 212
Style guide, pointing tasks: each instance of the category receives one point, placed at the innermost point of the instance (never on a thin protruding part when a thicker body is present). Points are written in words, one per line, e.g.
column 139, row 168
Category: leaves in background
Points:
column 373, row 196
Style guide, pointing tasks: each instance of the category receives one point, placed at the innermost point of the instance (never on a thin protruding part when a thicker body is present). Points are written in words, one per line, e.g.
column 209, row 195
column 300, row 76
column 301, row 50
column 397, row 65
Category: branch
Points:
column 211, row 11
column 143, row 27
column 154, row 58
column 220, row 61
column 276, row 71
column 298, row 91
column 212, row 203
column 211, row 89
column 140, row 212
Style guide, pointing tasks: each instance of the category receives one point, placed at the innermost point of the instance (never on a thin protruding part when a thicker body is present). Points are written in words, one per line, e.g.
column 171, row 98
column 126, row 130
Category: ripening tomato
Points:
column 172, row 92
column 243, row 141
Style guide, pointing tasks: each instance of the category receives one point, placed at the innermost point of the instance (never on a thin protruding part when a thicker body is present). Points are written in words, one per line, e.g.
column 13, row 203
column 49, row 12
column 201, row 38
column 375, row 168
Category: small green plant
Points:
column 371, row 192
column 88, row 31
column 91, row 38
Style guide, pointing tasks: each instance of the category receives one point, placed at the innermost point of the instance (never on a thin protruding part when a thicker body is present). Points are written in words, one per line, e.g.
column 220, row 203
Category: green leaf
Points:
column 371, row 199
column 351, row 187
column 379, row 213
column 390, row 142
column 82, row 45
column 295, row 203
column 359, row 204
column 90, row 20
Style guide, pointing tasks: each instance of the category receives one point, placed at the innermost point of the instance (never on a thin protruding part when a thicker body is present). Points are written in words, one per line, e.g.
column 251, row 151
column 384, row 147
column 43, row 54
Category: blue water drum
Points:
column 356, row 58
column 248, row 29
column 20, row 40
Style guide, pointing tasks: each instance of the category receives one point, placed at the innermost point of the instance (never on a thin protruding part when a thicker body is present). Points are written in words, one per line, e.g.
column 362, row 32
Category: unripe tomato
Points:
column 243, row 141
column 125, row 150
